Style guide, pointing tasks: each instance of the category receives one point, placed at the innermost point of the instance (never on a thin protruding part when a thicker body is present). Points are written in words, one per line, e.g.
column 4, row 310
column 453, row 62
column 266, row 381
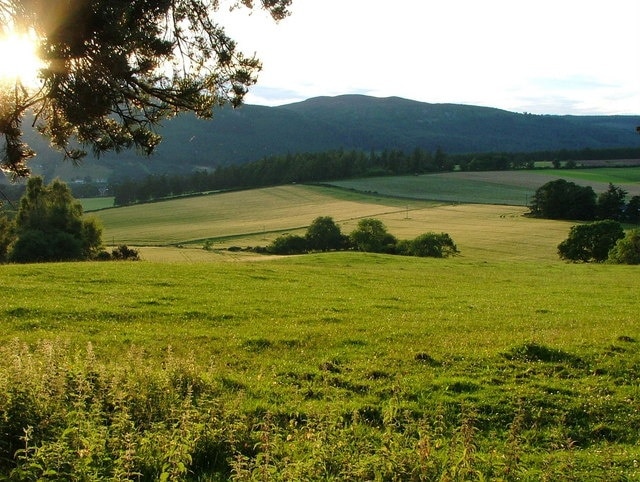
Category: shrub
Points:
column 31, row 246
column 288, row 244
column 429, row 245
column 102, row 256
column 124, row 253
column 371, row 236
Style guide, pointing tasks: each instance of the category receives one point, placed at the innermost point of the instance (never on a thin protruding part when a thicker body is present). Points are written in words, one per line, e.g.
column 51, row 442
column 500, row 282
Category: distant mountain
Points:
column 357, row 122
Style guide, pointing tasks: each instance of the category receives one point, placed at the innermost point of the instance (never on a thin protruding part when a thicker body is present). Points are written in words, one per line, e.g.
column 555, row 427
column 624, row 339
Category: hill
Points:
column 352, row 122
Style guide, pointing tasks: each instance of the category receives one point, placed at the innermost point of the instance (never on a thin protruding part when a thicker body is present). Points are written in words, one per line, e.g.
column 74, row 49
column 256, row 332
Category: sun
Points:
column 19, row 60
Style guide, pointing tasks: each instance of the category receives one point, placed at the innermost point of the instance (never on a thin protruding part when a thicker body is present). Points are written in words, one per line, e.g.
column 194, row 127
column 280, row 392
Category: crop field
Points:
column 255, row 218
column 503, row 363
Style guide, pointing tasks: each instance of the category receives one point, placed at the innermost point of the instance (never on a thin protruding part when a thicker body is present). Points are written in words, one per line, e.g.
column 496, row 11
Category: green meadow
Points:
column 492, row 187
column 503, row 363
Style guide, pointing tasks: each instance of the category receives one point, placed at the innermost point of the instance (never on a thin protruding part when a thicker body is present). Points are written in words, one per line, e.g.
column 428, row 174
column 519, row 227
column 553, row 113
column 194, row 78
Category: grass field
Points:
column 96, row 203
column 503, row 363
column 322, row 367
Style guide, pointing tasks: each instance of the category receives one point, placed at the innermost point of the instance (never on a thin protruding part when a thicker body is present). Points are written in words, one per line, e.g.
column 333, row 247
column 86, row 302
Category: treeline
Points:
column 501, row 161
column 342, row 164
column 277, row 170
column 322, row 166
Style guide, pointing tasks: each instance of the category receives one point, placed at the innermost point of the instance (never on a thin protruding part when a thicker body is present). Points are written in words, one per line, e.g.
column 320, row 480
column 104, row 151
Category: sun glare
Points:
column 19, row 60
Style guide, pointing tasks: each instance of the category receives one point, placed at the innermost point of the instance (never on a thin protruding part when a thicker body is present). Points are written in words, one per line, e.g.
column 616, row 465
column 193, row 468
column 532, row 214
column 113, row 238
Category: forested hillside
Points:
column 351, row 122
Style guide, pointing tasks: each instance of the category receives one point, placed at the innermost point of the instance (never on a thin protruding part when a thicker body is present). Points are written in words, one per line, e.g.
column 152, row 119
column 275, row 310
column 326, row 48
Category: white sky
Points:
column 542, row 56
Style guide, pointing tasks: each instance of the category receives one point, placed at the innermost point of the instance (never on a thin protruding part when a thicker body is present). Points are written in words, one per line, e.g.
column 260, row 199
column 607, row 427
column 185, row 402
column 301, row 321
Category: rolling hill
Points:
column 353, row 122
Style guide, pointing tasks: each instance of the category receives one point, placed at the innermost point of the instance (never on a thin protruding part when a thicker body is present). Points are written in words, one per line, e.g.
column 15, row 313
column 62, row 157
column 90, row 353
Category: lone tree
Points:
column 49, row 226
column 112, row 69
column 591, row 242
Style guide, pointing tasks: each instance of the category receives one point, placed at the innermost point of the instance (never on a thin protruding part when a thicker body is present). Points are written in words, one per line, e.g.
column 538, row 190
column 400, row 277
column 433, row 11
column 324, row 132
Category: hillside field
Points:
column 255, row 218
column 493, row 187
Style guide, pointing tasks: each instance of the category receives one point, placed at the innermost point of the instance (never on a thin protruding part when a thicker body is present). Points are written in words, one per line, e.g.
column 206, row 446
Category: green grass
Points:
column 450, row 187
column 96, row 203
column 502, row 363
column 615, row 175
column 340, row 366
column 492, row 187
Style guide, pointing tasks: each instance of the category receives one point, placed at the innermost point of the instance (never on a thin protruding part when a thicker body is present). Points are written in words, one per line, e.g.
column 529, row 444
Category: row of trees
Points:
column 498, row 161
column 561, row 199
column 322, row 166
column 278, row 170
column 370, row 236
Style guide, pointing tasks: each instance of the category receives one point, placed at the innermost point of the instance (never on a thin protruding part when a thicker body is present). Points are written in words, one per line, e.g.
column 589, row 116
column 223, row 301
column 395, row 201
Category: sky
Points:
column 544, row 56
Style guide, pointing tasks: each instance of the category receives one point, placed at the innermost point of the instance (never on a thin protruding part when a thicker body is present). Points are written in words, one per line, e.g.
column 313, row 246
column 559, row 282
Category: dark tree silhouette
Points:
column 114, row 68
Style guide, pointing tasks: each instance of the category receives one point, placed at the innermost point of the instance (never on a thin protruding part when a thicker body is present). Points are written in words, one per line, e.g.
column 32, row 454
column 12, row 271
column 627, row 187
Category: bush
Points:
column 31, row 246
column 429, row 245
column 371, row 236
column 288, row 244
column 627, row 249
column 124, row 253
column 324, row 235
column 591, row 242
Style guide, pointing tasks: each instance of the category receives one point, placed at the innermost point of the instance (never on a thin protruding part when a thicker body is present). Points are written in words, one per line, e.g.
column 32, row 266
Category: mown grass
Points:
column 342, row 366
column 255, row 218
column 96, row 203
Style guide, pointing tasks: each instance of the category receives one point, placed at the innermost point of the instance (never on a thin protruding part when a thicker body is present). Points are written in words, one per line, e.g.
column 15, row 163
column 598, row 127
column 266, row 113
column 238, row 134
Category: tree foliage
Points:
column 49, row 226
column 6, row 236
column 324, row 235
column 114, row 68
column 432, row 245
column 611, row 203
column 627, row 249
column 288, row 244
column 371, row 236
column 632, row 210
column 561, row 199
column 591, row 242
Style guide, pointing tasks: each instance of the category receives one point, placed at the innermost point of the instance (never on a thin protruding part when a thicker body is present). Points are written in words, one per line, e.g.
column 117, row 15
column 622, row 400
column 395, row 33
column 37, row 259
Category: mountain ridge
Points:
column 357, row 122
